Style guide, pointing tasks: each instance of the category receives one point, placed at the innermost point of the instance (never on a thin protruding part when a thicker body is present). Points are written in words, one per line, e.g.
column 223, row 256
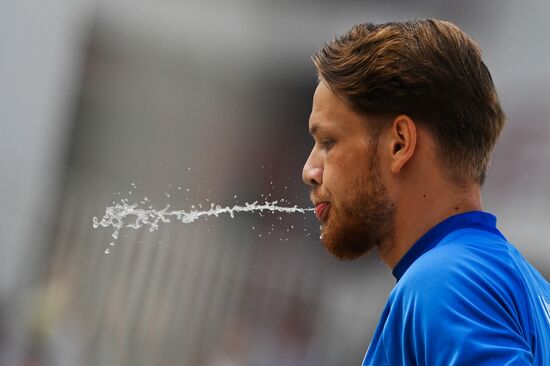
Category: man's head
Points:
column 382, row 88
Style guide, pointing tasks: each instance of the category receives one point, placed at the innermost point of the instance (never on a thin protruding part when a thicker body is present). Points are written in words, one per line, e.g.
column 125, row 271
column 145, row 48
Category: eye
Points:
column 327, row 144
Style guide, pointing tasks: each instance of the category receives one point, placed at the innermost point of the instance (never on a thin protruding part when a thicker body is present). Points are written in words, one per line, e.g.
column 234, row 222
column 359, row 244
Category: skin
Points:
column 396, row 183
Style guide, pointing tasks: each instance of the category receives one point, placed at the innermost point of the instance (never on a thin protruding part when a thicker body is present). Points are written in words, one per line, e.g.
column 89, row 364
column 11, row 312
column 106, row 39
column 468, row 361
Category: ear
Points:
column 402, row 142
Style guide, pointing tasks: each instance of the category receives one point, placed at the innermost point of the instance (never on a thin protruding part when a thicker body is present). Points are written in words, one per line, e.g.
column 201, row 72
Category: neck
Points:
column 418, row 213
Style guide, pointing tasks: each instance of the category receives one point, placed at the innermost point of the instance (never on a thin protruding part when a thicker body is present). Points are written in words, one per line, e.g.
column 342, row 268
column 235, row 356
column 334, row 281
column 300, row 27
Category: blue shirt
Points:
column 464, row 296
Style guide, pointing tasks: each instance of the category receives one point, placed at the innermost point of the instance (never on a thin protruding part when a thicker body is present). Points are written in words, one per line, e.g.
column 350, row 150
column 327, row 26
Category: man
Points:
column 404, row 118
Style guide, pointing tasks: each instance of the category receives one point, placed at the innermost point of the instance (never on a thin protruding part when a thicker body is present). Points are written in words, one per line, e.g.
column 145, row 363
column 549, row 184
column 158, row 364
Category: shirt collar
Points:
column 432, row 237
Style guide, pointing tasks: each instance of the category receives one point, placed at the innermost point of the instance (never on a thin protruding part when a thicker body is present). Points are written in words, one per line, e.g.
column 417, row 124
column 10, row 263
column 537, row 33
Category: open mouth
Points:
column 321, row 210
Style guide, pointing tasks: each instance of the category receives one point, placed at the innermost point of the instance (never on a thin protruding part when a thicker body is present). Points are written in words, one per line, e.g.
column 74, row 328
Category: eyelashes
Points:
column 327, row 144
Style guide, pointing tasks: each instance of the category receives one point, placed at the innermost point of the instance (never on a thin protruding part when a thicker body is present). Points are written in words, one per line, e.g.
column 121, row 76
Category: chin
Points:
column 352, row 233
column 345, row 244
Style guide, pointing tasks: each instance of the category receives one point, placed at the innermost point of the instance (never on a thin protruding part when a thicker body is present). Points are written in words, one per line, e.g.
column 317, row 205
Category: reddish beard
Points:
column 366, row 221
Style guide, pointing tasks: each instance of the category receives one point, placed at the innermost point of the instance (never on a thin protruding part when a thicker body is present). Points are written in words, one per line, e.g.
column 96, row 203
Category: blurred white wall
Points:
column 41, row 53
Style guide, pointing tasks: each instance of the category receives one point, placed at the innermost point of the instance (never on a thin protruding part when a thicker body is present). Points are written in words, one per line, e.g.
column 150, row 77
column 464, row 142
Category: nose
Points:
column 312, row 174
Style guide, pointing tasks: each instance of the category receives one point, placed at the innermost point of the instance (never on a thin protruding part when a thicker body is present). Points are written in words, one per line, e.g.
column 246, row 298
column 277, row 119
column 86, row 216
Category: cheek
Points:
column 342, row 174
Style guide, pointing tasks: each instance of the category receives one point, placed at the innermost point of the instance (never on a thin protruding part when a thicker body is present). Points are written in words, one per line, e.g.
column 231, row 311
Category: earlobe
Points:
column 403, row 136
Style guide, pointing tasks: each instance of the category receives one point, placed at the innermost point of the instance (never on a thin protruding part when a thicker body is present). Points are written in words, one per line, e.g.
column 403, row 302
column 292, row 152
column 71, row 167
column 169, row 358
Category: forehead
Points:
column 331, row 112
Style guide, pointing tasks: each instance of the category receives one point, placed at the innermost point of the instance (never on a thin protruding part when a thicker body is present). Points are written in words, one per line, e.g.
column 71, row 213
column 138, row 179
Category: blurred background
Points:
column 192, row 102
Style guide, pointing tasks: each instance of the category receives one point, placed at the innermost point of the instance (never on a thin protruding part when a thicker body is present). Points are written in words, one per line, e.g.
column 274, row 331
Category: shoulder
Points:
column 470, row 272
column 461, row 295
column 469, row 278
column 467, row 260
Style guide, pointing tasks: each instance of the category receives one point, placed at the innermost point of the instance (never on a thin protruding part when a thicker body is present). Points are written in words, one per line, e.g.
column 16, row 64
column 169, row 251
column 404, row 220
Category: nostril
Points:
column 312, row 175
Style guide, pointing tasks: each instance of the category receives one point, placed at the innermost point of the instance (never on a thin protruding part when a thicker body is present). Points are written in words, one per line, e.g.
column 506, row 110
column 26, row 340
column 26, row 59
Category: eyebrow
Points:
column 313, row 129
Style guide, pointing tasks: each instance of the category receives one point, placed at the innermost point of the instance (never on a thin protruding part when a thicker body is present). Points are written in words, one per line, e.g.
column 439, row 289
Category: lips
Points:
column 321, row 210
